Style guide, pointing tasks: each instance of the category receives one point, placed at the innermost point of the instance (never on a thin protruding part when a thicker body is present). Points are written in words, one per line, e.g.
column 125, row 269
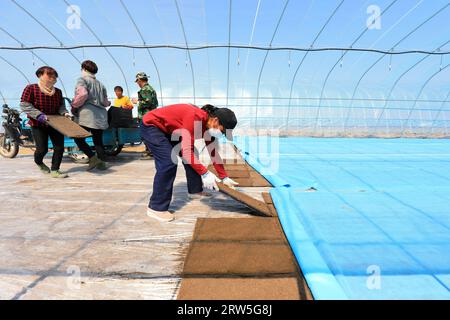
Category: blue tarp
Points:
column 378, row 226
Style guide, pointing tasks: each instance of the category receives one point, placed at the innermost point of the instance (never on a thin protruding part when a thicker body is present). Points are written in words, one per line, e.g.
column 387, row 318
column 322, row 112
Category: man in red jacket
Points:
column 162, row 131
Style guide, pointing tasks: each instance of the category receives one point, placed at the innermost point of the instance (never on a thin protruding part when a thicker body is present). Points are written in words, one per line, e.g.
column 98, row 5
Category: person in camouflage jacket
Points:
column 147, row 101
column 147, row 98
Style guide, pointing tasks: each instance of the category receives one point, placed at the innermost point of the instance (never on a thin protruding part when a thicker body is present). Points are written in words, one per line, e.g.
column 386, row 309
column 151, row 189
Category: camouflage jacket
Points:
column 147, row 100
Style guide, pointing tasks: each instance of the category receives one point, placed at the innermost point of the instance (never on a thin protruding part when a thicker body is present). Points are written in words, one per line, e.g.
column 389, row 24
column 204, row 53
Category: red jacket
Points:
column 188, row 122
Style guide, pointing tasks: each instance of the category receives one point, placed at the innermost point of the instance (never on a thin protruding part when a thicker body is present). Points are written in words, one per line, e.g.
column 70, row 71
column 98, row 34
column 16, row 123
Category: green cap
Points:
column 141, row 76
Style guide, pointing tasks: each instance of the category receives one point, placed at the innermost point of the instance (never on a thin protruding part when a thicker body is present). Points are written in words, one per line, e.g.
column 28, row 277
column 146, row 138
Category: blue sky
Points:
column 206, row 22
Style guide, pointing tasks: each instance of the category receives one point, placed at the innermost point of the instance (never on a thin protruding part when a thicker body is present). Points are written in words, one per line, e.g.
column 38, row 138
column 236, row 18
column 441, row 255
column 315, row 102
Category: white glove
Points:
column 230, row 182
column 210, row 181
column 67, row 115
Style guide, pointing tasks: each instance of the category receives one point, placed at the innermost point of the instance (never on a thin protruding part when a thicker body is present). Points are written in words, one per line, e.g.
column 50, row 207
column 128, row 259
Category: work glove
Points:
column 42, row 118
column 210, row 180
column 230, row 182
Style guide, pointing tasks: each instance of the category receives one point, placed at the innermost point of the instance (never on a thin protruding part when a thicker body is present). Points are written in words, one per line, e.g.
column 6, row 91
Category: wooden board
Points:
column 67, row 127
column 245, row 175
column 267, row 197
column 254, row 261
column 254, row 229
column 255, row 204
column 279, row 288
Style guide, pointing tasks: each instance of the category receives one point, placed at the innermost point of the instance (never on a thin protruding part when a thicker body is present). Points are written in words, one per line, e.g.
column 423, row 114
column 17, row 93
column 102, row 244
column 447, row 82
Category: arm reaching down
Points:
column 216, row 159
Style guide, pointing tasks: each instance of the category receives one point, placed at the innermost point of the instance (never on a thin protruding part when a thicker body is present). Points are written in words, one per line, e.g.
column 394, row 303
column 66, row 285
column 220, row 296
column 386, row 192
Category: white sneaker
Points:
column 164, row 216
column 199, row 195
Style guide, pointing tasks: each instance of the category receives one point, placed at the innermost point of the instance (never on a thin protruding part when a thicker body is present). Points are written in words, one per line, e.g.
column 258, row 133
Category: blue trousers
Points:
column 161, row 146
